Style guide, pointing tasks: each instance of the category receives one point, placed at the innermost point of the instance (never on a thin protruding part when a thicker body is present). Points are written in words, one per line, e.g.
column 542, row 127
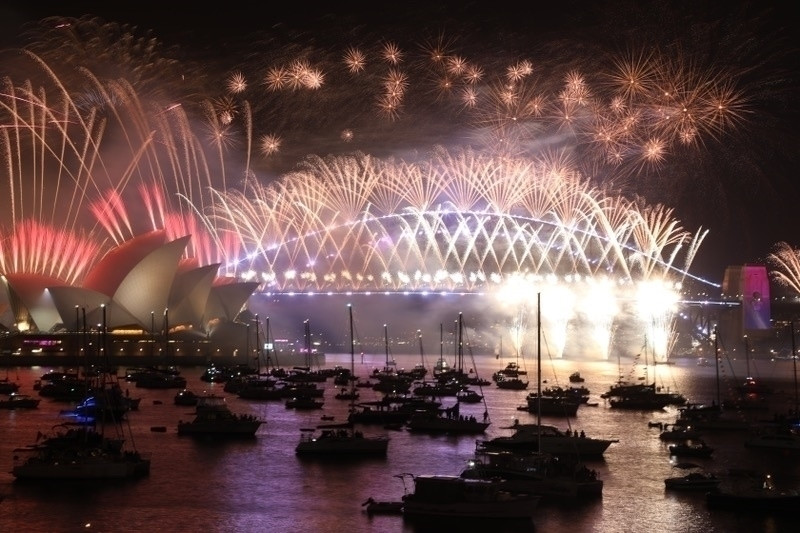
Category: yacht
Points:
column 342, row 440
column 546, row 475
column 78, row 454
column 457, row 497
column 16, row 400
column 696, row 481
column 214, row 418
column 552, row 440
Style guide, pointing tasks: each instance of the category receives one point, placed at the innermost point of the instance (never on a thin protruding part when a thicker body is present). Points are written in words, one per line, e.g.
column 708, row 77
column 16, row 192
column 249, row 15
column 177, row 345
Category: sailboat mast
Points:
column 794, row 362
column 441, row 342
column 386, row 343
column 352, row 341
column 539, row 368
column 258, row 348
column 308, row 343
column 266, row 340
column 716, row 362
column 460, row 357
column 421, row 352
column 166, row 334
column 352, row 360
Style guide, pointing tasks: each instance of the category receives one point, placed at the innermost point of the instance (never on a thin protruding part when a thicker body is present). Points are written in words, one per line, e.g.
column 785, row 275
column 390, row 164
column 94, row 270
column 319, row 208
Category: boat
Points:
column 510, row 383
column 450, row 420
column 8, row 387
column 751, row 386
column 341, row 439
column 447, row 420
column 419, row 370
column 16, row 400
column 625, row 388
column 347, row 394
column 679, row 433
column 105, row 402
column 304, row 402
column 646, row 400
column 77, row 454
column 576, row 377
column 693, row 481
column 457, row 497
column 467, row 395
column 391, row 409
column 695, row 448
column 542, row 474
column 373, row 507
column 509, row 377
column 213, row 418
column 511, row 370
column 159, row 379
column 711, row 417
column 549, row 439
column 641, row 396
column 552, row 403
column 185, row 397
column 92, row 450
column 774, row 440
column 754, row 497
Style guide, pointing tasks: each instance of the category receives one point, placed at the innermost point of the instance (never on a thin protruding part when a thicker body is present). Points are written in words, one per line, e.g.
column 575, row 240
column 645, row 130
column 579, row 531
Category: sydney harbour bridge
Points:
column 613, row 274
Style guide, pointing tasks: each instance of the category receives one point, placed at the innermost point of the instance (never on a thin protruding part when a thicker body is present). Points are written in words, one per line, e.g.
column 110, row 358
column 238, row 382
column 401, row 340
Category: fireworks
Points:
column 450, row 223
column 526, row 192
column 785, row 261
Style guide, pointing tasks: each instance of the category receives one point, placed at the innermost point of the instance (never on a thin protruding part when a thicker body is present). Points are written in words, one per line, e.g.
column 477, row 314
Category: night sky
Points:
column 741, row 184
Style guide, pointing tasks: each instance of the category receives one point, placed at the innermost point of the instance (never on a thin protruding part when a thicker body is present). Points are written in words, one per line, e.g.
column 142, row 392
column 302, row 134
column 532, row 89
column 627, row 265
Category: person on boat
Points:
column 583, row 435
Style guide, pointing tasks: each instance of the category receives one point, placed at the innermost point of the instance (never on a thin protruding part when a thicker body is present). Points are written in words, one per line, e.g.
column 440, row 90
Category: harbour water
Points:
column 260, row 485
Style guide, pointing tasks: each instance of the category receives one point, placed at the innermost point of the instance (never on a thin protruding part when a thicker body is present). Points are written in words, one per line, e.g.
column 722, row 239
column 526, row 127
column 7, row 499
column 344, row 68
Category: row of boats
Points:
column 507, row 477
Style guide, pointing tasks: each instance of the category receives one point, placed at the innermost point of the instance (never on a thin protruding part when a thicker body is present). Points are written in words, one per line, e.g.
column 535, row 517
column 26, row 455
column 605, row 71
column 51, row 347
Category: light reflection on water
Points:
column 260, row 485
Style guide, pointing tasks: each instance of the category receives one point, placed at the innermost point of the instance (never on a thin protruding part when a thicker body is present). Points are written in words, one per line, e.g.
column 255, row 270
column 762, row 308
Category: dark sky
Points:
column 742, row 185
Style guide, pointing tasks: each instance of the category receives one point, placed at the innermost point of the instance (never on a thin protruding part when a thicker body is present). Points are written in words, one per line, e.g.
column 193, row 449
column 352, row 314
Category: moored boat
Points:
column 531, row 437
column 693, row 481
column 340, row 441
column 696, row 448
column 185, row 397
column 373, row 507
column 19, row 401
column 449, row 422
column 213, row 418
column 78, row 454
column 552, row 477
column 754, row 498
column 551, row 404
column 774, row 441
column 456, row 497
column 8, row 387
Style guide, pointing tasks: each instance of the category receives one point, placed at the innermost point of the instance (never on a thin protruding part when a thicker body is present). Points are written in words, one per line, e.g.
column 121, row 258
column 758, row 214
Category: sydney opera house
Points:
column 140, row 300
